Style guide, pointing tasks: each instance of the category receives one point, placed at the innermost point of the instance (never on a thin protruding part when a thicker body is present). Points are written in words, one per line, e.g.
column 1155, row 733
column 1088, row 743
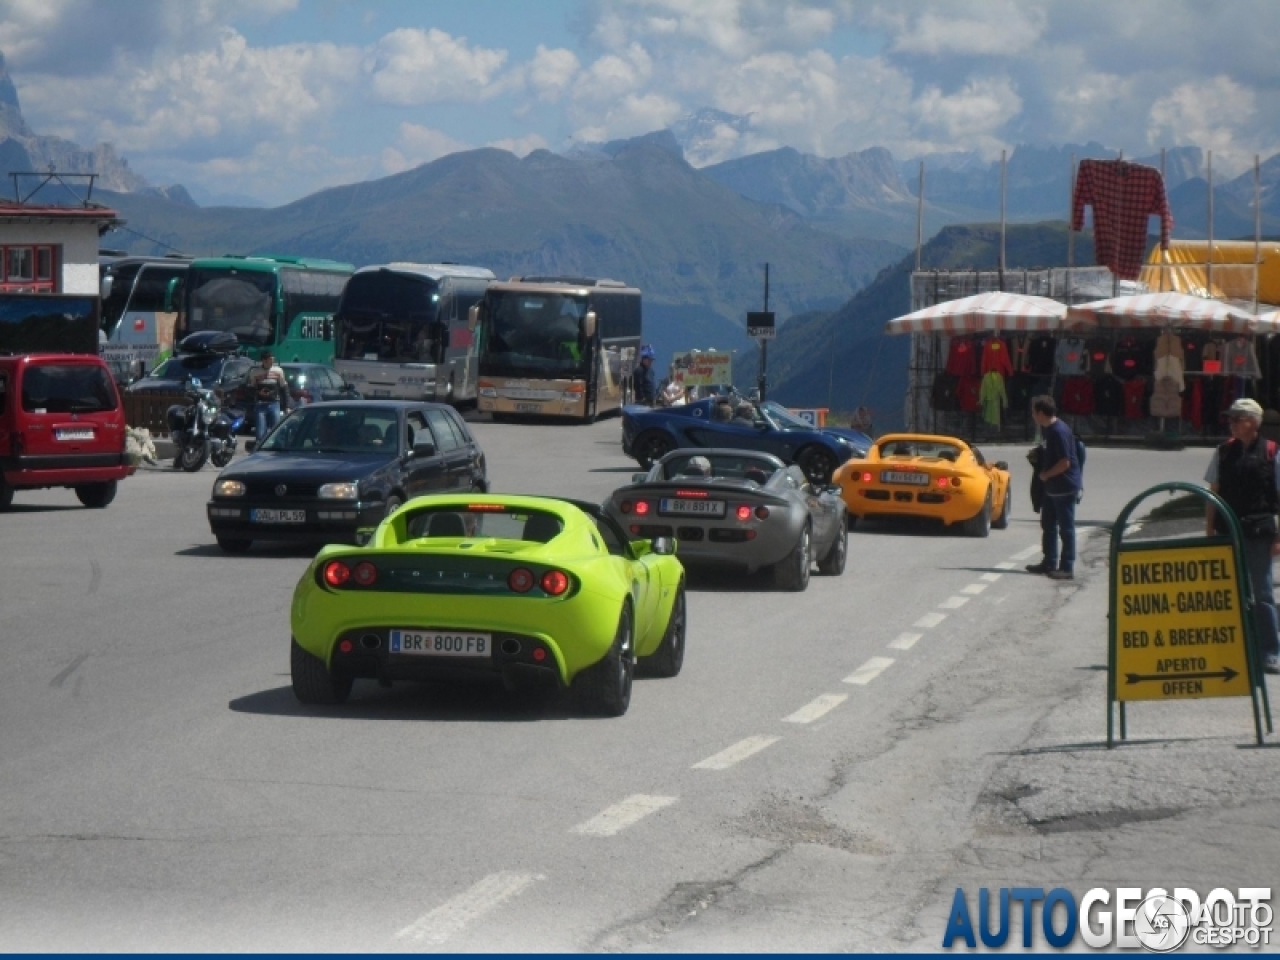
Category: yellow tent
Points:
column 1183, row 269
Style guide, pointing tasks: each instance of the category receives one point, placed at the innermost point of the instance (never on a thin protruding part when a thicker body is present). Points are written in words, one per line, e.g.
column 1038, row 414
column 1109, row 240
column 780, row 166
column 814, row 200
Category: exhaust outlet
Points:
column 371, row 641
column 510, row 647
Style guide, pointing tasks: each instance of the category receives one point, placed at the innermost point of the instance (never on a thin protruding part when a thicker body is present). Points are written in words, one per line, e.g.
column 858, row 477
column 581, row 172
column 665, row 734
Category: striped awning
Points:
column 1164, row 310
column 1268, row 322
column 984, row 311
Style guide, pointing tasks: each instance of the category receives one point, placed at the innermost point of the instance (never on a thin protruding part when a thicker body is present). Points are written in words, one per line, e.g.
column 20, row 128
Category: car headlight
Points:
column 228, row 488
column 339, row 491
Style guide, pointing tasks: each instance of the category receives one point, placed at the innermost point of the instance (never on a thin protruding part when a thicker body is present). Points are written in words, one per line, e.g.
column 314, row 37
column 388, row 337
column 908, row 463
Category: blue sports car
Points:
column 648, row 435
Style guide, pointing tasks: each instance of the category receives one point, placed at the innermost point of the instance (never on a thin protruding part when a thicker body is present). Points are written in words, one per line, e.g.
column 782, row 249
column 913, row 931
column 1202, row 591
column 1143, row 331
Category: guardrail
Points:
column 149, row 409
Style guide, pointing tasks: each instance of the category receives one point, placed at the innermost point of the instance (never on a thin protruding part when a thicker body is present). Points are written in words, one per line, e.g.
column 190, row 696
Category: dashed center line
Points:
column 450, row 917
column 905, row 641
column 817, row 708
column 736, row 754
column 953, row 603
column 930, row 620
column 991, row 577
column 869, row 671
column 1006, row 565
column 974, row 588
column 617, row 818
column 1027, row 553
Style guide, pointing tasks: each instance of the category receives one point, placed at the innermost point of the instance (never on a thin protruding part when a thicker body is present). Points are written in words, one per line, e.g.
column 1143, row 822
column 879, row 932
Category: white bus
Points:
column 401, row 331
column 137, row 329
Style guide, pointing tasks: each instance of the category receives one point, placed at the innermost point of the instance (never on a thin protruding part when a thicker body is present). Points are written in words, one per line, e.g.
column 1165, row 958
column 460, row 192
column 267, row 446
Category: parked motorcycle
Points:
column 201, row 430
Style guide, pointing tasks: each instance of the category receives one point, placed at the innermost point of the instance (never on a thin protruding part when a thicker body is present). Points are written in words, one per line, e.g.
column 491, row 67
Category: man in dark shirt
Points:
column 1060, row 472
column 646, row 381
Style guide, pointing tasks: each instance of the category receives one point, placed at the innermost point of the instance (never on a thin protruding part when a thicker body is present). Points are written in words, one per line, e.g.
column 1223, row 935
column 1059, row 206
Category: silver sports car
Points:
column 737, row 508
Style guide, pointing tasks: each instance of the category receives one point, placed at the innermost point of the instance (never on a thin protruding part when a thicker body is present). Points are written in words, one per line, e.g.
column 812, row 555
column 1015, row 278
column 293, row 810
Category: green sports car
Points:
column 470, row 585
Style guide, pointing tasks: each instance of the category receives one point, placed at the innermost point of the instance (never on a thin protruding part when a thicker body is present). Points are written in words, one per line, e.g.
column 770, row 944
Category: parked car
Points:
column 330, row 469
column 61, row 425
column 648, row 435
column 215, row 371
column 523, row 588
column 736, row 508
column 313, row 382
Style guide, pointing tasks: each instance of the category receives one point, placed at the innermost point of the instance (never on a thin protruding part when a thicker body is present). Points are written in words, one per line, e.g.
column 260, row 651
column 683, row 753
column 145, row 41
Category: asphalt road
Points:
column 826, row 770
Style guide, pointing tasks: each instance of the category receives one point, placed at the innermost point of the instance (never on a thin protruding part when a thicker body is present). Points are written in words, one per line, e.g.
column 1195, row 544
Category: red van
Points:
column 61, row 425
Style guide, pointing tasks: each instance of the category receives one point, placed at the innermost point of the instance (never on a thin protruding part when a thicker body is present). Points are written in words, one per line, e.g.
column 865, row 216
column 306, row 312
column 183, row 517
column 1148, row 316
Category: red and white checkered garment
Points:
column 1167, row 309
column 1122, row 195
column 983, row 311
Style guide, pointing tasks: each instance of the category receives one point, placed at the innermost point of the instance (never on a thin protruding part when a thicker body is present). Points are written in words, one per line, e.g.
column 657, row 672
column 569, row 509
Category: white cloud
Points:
column 412, row 67
column 988, row 28
column 631, row 116
column 521, row 146
column 1218, row 115
column 975, row 112
column 550, row 72
column 417, row 145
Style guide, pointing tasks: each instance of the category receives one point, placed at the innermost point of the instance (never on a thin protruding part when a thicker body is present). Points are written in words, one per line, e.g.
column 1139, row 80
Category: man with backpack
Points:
column 1059, row 470
column 1243, row 473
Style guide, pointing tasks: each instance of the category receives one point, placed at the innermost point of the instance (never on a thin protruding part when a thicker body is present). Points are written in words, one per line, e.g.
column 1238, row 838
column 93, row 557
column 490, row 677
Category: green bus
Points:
column 282, row 304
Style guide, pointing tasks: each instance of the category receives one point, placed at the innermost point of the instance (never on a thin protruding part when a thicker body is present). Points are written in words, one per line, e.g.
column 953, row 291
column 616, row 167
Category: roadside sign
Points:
column 1181, row 618
column 704, row 368
column 760, row 324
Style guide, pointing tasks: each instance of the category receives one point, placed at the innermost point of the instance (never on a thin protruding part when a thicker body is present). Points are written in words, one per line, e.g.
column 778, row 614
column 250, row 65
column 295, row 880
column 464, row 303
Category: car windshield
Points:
column 204, row 366
column 485, row 520
column 727, row 467
column 536, row 334
column 346, row 429
column 70, row 388
column 919, row 448
column 236, row 301
column 389, row 316
column 784, row 417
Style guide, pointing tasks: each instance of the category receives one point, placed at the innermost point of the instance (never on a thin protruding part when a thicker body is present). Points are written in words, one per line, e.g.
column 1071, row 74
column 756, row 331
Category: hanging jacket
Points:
column 969, row 394
column 1040, row 356
column 943, row 396
column 1165, row 399
column 1135, row 395
column 1108, row 396
column 995, row 357
column 1034, row 456
column 962, row 359
column 1239, row 359
column 1191, row 355
column 1123, row 195
column 1098, row 354
column 1127, row 358
column 1071, row 357
column 1077, row 396
column 993, row 398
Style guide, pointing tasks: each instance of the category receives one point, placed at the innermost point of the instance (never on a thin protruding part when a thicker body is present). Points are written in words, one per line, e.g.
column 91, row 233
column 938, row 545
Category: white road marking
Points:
column 817, row 708
column 953, row 603
column 975, row 588
column 905, row 641
column 991, row 577
column 1026, row 554
column 617, row 818
column 735, row 754
column 869, row 671
column 450, row 917
column 930, row 620
column 1006, row 565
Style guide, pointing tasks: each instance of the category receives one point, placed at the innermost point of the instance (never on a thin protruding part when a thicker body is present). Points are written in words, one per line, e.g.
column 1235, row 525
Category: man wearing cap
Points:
column 1243, row 473
column 1060, row 472
column 646, row 381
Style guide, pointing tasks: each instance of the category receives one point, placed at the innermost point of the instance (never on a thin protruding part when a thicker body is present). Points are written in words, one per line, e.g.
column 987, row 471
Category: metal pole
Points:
column 762, row 382
column 1071, row 234
column 1002, row 205
column 1257, row 226
column 1208, row 270
column 1164, row 254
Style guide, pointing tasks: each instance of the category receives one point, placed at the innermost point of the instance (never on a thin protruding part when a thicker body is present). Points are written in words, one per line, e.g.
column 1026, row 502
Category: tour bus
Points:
column 137, row 310
column 402, row 331
column 557, row 346
column 282, row 304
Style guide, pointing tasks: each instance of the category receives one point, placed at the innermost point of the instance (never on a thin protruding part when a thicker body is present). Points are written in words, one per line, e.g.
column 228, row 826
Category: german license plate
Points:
column 894, row 476
column 441, row 643
column 278, row 516
column 75, row 433
column 529, row 407
column 692, row 508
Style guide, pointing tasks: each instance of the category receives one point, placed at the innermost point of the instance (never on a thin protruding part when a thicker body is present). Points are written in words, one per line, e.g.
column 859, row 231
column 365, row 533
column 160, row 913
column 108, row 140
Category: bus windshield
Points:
column 237, row 301
column 536, row 335
column 391, row 317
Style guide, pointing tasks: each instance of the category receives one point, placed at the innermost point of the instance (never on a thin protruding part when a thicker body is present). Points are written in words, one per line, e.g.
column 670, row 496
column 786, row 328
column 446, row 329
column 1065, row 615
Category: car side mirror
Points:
column 639, row 477
column 589, row 324
column 107, row 282
column 171, row 296
column 364, row 536
column 251, row 445
column 424, row 448
column 1002, row 465
column 473, row 317
column 663, row 546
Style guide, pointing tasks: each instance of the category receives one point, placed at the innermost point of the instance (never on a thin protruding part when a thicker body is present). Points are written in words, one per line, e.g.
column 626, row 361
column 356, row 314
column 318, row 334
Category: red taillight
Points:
column 625, row 506
column 635, row 528
column 539, row 654
column 366, row 574
column 346, row 646
column 554, row 582
column 762, row 512
column 866, row 478
column 486, row 507
column 336, row 573
column 744, row 512
column 942, row 481
column 520, row 580
column 692, row 493
column 641, row 508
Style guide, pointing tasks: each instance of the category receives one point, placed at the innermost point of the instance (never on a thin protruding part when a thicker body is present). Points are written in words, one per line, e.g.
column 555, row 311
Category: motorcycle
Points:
column 201, row 430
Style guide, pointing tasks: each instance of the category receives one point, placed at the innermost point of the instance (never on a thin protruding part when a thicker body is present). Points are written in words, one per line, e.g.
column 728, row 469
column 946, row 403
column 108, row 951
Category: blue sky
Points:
column 273, row 99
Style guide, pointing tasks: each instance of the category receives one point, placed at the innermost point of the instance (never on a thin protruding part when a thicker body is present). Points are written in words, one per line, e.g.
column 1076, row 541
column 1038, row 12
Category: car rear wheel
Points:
column 234, row 544
column 95, row 496
column 393, row 504
column 312, row 681
column 1002, row 522
column 605, row 689
column 980, row 526
column 792, row 573
column 818, row 464
column 667, row 660
column 832, row 565
column 651, row 446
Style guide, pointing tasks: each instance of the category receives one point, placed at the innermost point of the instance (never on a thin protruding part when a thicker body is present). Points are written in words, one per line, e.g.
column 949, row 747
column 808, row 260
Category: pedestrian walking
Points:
column 645, row 380
column 1243, row 473
column 266, row 382
column 1059, row 470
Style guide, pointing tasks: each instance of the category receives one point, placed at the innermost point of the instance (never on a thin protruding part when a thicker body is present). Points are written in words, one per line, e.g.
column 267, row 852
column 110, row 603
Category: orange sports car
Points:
column 918, row 475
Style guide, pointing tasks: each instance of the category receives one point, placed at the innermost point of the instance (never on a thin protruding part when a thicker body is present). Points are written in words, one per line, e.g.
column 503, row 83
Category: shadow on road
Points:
column 472, row 702
column 631, row 469
column 728, row 581
column 19, row 507
column 212, row 550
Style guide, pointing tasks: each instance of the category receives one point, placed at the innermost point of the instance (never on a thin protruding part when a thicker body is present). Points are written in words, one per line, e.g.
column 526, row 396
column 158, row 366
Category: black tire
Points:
column 980, row 525
column 651, row 446
column 233, row 544
column 222, row 456
column 832, row 565
column 792, row 572
column 818, row 464
column 6, row 495
column 591, row 412
column 95, row 496
column 604, row 690
column 852, row 521
column 312, row 681
column 193, row 456
column 1002, row 522
column 393, row 504
column 667, row 660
